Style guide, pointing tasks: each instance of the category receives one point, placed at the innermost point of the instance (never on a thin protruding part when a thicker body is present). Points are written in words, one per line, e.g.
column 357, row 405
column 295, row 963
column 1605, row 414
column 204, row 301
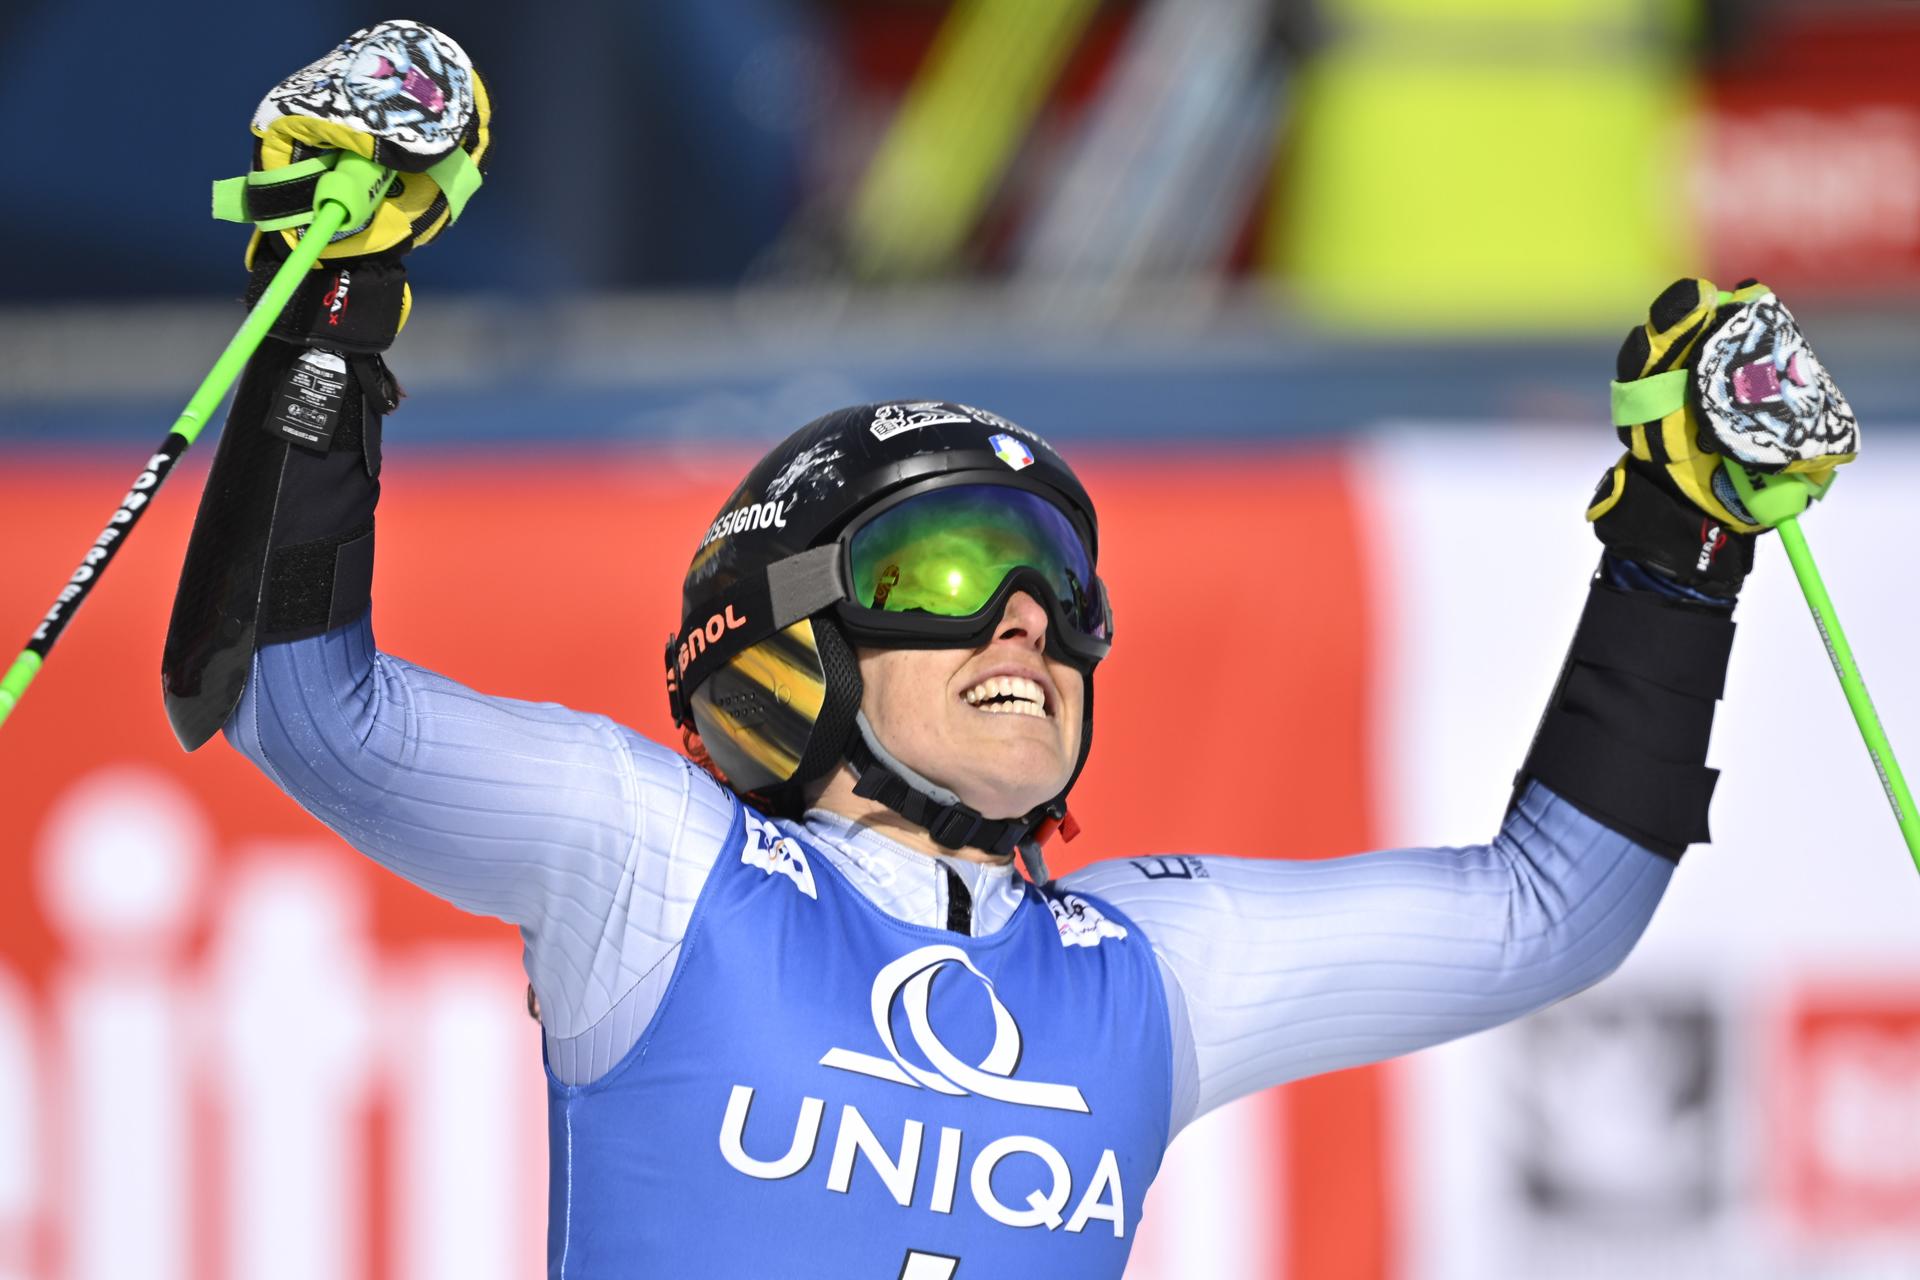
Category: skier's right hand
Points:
column 404, row 96
column 400, row 94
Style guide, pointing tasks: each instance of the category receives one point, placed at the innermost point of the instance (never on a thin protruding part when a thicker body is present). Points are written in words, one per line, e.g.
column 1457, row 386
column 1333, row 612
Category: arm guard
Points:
column 282, row 546
column 1624, row 737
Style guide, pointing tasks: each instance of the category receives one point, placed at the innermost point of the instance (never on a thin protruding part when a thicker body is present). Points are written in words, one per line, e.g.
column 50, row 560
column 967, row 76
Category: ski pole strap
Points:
column 1624, row 737
column 276, row 199
column 291, row 195
column 1651, row 398
column 273, row 199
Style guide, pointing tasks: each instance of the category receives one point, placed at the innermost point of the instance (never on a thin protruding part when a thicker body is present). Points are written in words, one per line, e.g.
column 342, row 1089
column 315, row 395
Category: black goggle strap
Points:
column 750, row 611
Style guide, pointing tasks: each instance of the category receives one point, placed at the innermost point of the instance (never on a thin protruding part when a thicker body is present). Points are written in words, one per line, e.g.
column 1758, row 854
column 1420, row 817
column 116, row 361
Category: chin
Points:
column 1016, row 782
column 994, row 812
column 1010, row 776
column 1015, row 799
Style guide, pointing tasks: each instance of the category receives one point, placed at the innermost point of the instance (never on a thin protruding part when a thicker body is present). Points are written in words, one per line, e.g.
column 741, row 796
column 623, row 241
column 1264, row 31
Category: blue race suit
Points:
column 693, row 993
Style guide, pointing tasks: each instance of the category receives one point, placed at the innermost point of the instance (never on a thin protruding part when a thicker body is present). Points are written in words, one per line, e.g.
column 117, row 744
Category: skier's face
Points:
column 998, row 725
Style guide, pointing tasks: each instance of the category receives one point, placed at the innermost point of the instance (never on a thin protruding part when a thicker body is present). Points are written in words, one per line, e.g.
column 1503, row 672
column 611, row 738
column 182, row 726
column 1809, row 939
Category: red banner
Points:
column 199, row 983
column 1809, row 174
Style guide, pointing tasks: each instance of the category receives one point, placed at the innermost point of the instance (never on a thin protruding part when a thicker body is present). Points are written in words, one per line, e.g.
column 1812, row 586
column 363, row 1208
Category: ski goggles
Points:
column 936, row 568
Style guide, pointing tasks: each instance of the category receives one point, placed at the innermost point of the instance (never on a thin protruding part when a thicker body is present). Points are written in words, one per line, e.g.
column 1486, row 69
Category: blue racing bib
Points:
column 826, row 1091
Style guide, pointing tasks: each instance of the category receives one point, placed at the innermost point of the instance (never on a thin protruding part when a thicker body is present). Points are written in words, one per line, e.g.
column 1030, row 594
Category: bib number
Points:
column 928, row 1266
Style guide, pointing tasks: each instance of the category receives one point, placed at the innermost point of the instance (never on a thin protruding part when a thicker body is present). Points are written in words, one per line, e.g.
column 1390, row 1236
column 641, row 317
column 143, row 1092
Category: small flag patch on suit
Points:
column 1011, row 451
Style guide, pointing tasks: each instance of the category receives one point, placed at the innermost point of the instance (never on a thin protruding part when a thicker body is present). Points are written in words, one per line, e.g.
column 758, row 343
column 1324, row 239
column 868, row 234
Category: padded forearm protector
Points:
column 1624, row 737
column 282, row 546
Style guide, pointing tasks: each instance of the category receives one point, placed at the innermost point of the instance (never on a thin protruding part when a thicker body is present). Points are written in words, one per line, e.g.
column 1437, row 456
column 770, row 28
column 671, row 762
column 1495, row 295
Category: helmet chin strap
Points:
column 926, row 786
column 880, row 775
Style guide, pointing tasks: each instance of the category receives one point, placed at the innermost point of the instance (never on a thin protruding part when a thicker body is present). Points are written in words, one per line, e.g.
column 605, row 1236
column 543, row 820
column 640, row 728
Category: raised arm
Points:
column 1283, row 969
column 1287, row 969
column 590, row 839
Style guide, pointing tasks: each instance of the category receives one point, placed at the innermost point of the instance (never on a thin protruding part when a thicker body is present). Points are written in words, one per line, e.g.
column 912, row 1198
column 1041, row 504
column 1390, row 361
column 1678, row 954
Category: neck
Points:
column 838, row 798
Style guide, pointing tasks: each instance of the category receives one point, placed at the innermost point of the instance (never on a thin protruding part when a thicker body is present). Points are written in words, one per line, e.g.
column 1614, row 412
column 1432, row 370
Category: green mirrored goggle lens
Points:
column 946, row 552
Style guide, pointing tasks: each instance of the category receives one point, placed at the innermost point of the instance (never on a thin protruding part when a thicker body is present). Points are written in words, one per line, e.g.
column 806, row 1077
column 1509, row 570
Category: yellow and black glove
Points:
column 401, row 95
column 1712, row 376
column 283, row 544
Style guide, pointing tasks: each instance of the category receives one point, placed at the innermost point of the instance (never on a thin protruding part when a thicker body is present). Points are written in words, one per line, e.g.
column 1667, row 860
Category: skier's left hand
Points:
column 1743, row 385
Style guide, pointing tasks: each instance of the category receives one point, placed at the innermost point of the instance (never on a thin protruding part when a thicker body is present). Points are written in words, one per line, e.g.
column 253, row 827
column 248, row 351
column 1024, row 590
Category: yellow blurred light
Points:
column 1485, row 164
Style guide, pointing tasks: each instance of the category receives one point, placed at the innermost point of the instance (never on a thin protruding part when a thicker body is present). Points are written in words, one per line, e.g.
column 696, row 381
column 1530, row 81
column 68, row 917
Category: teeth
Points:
column 1029, row 698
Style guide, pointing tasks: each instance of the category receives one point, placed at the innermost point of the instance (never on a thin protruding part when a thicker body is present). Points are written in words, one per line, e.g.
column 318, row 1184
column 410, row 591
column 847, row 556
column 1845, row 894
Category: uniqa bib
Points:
column 828, row 1091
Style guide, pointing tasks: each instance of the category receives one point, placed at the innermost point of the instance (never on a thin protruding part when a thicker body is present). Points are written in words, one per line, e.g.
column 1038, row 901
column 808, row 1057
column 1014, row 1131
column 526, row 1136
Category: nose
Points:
column 1023, row 619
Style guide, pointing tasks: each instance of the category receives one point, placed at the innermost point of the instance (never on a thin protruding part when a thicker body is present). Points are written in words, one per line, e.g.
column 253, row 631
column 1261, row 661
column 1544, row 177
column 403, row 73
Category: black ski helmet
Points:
column 763, row 667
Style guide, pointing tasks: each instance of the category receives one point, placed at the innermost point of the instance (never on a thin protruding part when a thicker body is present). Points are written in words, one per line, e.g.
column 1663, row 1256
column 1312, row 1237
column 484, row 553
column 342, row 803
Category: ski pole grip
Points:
column 356, row 184
column 1773, row 498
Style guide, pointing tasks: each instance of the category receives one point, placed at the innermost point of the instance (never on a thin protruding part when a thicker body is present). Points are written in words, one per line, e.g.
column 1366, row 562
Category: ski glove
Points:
column 283, row 544
column 400, row 94
column 1715, row 376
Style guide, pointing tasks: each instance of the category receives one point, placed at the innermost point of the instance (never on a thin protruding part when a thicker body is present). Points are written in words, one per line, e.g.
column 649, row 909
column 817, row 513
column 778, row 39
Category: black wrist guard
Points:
column 343, row 304
column 1624, row 737
column 1644, row 517
column 282, row 546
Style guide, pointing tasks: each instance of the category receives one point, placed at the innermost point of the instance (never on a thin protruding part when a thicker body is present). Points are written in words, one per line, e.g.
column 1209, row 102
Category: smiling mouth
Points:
column 1009, row 695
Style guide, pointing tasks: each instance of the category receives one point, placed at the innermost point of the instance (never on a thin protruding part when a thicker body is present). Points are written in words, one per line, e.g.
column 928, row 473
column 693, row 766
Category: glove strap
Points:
column 271, row 199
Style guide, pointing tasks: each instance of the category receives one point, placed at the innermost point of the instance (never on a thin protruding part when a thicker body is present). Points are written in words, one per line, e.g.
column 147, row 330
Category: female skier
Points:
column 803, row 1015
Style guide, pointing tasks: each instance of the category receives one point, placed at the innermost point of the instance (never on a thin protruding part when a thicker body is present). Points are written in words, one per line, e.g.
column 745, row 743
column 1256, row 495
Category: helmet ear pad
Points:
column 827, row 743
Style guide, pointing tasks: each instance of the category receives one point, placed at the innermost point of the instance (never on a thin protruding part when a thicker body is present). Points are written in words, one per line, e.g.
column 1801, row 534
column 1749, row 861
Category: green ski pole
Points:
column 1778, row 500
column 345, row 196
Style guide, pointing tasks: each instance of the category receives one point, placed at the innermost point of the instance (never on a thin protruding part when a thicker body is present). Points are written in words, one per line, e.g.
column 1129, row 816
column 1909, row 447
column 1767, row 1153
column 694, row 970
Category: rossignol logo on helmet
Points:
column 708, row 632
column 892, row 419
column 758, row 515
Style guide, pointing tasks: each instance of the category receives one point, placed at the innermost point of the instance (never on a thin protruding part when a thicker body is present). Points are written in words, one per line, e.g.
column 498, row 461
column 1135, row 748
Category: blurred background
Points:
column 1322, row 296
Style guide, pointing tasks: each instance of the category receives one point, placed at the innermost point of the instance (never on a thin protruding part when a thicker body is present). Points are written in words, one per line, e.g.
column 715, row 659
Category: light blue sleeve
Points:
column 591, row 839
column 1284, row 969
